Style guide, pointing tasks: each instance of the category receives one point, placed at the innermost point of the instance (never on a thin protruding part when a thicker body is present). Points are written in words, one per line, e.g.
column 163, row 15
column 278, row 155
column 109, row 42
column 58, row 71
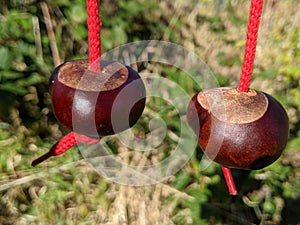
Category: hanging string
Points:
column 249, row 55
column 64, row 144
column 229, row 180
column 251, row 40
column 94, row 26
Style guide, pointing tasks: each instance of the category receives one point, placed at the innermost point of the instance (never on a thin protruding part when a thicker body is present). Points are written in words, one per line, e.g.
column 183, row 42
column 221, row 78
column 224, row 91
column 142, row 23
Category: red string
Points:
column 229, row 180
column 64, row 144
column 94, row 26
column 251, row 40
column 249, row 55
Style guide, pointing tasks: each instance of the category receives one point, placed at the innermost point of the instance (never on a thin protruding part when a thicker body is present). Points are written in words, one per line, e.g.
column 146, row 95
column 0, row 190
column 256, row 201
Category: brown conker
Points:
column 245, row 130
column 83, row 99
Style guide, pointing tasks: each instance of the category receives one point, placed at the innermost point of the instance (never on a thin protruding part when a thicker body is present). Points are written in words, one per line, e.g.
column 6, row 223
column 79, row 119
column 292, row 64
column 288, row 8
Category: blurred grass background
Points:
column 35, row 36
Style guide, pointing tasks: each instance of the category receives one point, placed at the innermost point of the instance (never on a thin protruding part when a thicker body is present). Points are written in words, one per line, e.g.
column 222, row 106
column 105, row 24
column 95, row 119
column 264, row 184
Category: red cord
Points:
column 229, row 180
column 251, row 40
column 94, row 26
column 64, row 144
column 249, row 55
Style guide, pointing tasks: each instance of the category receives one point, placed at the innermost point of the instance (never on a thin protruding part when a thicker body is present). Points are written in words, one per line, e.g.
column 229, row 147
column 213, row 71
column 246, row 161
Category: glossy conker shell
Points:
column 245, row 130
column 85, row 98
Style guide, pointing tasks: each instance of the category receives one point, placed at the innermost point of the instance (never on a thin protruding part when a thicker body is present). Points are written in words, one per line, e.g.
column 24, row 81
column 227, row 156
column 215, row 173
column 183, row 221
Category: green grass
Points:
column 67, row 189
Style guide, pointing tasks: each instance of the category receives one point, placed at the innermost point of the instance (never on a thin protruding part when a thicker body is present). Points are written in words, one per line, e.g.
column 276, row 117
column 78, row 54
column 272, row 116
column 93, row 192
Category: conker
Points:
column 245, row 130
column 84, row 98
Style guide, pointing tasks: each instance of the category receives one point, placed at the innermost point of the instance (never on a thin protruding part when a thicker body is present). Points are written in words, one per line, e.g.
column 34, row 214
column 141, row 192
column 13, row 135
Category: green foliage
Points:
column 65, row 190
column 124, row 25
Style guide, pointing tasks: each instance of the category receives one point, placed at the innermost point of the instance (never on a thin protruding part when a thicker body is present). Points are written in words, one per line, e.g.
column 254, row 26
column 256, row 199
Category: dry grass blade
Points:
column 39, row 174
column 51, row 34
column 140, row 206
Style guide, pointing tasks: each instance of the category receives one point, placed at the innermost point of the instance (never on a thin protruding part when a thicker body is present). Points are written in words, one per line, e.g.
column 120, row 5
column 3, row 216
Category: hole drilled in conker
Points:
column 85, row 98
column 245, row 130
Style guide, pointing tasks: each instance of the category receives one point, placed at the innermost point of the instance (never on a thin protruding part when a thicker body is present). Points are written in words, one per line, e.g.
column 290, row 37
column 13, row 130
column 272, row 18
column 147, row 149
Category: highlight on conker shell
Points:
column 85, row 98
column 245, row 130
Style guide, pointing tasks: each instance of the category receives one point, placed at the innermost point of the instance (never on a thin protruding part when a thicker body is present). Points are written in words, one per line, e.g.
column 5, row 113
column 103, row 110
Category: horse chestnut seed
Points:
column 82, row 100
column 245, row 130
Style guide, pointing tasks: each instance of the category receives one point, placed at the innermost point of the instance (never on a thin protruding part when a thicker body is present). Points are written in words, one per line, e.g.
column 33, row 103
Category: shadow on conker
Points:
column 245, row 130
column 82, row 100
